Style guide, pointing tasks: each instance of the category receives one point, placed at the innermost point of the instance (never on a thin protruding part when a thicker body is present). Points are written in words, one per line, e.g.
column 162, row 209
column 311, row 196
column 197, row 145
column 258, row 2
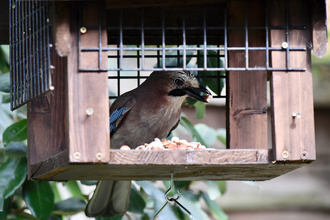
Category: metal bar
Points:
column 195, row 49
column 163, row 39
column 205, row 40
column 24, row 95
column 194, row 27
column 30, row 59
column 138, row 66
column 226, row 39
column 193, row 69
column 121, row 39
column 142, row 37
column 184, row 39
column 287, row 40
column 48, row 51
column 246, row 41
column 38, row 25
column 267, row 40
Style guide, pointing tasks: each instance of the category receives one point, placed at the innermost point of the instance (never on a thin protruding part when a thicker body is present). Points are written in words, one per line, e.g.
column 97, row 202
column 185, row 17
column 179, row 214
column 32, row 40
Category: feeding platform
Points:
column 65, row 53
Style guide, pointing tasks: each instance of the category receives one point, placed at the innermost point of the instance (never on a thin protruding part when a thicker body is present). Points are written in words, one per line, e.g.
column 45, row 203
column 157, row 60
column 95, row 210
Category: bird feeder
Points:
column 64, row 53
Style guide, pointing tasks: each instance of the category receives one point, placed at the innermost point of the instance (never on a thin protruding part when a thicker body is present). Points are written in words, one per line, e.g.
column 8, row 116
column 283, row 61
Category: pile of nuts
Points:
column 174, row 144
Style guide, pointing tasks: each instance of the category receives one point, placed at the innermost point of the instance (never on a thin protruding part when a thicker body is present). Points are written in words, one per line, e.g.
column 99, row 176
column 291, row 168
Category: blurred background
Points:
column 302, row 194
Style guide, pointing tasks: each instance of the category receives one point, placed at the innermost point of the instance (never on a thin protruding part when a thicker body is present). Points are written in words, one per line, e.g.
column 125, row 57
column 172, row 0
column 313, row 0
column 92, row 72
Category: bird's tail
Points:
column 110, row 198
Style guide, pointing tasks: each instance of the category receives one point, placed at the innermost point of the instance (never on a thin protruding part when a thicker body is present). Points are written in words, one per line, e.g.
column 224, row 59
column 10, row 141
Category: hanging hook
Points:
column 172, row 200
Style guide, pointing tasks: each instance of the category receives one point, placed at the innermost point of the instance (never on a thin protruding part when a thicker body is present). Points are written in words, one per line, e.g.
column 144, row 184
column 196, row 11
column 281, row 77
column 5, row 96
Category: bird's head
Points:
column 180, row 84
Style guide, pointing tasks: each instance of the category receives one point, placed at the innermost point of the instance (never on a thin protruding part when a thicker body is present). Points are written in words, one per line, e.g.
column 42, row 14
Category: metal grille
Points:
column 151, row 39
column 30, row 68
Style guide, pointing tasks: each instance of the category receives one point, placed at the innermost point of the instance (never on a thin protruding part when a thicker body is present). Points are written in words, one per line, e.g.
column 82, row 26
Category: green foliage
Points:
column 39, row 197
column 69, row 206
column 15, row 132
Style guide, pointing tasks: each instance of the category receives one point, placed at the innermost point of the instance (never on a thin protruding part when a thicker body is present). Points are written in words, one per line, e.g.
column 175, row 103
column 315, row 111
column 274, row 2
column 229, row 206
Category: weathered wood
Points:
column 320, row 32
column 47, row 119
column 292, row 92
column 88, row 134
column 61, row 28
column 186, row 165
column 247, row 93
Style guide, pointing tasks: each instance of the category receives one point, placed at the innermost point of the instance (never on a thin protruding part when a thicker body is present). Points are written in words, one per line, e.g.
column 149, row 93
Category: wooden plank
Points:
column 247, row 94
column 47, row 120
column 61, row 28
column 319, row 22
column 87, row 92
column 292, row 92
column 186, row 165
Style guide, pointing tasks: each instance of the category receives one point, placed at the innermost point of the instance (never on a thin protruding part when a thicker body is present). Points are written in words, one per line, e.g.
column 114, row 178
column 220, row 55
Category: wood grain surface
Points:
column 292, row 91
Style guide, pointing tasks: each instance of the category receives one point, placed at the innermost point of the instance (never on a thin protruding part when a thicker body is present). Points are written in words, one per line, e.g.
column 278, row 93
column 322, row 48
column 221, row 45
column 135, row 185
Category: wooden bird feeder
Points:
column 64, row 52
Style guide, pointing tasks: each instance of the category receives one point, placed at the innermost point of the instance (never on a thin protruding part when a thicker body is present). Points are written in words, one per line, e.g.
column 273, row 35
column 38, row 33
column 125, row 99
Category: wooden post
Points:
column 247, row 94
column 88, row 102
column 292, row 91
column 47, row 118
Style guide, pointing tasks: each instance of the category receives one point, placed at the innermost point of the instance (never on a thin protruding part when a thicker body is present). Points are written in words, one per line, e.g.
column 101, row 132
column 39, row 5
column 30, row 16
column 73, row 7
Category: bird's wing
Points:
column 119, row 109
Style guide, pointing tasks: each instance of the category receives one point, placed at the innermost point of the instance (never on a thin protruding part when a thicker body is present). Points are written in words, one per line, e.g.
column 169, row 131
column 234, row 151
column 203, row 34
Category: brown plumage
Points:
column 153, row 111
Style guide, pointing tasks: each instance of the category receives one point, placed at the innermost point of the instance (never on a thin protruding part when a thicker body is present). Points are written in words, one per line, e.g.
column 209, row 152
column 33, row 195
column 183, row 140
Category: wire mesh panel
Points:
column 30, row 68
column 193, row 38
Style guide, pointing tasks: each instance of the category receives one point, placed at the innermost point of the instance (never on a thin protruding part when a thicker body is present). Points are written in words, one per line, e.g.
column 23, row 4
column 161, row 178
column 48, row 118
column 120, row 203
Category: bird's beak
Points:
column 197, row 93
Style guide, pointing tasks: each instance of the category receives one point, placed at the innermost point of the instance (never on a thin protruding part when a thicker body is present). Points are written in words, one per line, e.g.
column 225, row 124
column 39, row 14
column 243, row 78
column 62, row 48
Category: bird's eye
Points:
column 179, row 82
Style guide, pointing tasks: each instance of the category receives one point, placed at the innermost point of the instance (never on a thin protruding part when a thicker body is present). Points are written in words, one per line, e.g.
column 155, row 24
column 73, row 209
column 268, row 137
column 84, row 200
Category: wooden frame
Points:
column 68, row 131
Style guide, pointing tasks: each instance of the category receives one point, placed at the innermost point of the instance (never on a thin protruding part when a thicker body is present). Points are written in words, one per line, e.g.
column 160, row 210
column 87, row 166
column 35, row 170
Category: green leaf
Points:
column 118, row 217
column 15, row 132
column 200, row 110
column 5, row 82
column 151, row 190
column 221, row 135
column 4, row 64
column 136, row 201
column 5, row 98
column 213, row 61
column 190, row 127
column 69, row 206
column 57, row 195
column 55, row 217
column 157, row 196
column 207, row 133
column 39, row 197
column 89, row 182
column 216, row 211
column 75, row 189
column 15, row 149
column 182, row 184
column 191, row 202
column 222, row 186
column 25, row 216
column 12, row 175
column 173, row 60
column 213, row 191
column 4, row 207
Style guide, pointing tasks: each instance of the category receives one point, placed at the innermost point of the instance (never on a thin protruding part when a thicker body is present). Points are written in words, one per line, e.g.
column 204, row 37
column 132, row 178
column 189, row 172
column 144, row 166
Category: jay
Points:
column 139, row 116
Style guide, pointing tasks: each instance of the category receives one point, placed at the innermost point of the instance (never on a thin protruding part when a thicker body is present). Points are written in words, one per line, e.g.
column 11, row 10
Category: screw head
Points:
column 285, row 154
column 296, row 115
column 83, row 30
column 77, row 155
column 285, row 45
column 99, row 156
column 304, row 155
column 89, row 111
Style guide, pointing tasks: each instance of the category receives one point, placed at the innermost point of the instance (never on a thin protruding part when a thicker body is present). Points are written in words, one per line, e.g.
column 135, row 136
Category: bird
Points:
column 152, row 110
